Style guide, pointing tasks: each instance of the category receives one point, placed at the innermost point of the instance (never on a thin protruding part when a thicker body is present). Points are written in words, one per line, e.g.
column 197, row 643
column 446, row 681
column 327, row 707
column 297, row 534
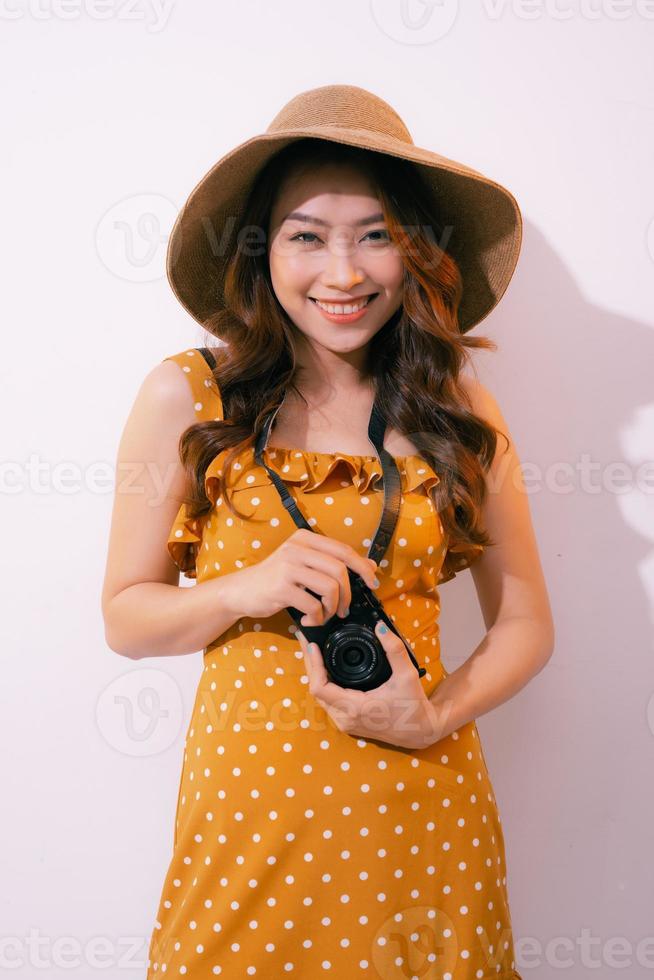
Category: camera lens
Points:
column 354, row 657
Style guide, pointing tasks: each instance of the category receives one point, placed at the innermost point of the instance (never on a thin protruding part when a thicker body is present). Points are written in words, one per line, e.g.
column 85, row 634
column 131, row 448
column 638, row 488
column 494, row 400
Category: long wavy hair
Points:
column 415, row 358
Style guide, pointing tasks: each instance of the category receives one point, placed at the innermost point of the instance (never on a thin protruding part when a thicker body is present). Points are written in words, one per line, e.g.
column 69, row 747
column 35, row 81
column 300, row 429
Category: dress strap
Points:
column 197, row 363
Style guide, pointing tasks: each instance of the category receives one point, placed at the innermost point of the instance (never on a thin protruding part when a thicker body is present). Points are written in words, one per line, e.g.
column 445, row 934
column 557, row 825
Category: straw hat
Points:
column 484, row 217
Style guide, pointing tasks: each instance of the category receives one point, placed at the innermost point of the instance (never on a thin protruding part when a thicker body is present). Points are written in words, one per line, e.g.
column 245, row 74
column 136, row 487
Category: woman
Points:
column 323, row 829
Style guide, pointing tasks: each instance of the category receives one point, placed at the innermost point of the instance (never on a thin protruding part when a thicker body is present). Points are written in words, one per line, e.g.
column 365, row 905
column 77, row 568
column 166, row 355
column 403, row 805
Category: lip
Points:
column 346, row 317
column 335, row 302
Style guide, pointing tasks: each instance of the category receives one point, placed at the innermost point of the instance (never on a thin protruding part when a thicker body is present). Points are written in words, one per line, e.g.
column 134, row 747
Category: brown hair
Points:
column 415, row 358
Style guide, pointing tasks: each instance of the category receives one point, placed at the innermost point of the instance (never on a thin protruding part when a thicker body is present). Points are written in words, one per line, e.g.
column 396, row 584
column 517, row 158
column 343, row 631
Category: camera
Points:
column 352, row 654
column 351, row 651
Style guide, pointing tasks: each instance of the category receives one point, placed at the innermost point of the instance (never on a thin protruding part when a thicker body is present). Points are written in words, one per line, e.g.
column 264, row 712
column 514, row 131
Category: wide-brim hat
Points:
column 482, row 216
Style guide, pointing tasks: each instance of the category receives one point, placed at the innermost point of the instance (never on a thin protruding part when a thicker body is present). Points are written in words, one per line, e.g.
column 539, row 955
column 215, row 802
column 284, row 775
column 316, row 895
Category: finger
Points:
column 303, row 643
column 322, row 573
column 317, row 664
column 328, row 591
column 342, row 698
column 313, row 661
column 330, row 556
column 394, row 647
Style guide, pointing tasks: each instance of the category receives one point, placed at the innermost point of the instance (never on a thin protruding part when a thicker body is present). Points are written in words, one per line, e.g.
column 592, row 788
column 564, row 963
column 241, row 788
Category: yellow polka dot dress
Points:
column 300, row 850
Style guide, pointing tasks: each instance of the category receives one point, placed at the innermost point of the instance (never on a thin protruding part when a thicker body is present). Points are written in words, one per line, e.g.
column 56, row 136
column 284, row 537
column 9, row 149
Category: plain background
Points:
column 112, row 113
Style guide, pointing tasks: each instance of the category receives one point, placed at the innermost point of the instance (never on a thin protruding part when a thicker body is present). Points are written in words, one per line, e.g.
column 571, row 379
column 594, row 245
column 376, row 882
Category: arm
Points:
column 146, row 612
column 511, row 589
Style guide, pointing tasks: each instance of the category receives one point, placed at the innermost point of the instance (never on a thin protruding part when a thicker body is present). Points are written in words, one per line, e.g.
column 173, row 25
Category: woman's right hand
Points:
column 306, row 560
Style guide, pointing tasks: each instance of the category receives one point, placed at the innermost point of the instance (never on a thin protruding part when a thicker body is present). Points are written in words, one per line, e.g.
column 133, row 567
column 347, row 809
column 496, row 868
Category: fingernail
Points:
column 375, row 583
column 383, row 628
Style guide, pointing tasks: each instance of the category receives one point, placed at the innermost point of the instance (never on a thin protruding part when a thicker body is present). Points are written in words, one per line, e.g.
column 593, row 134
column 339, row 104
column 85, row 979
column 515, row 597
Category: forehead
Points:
column 335, row 192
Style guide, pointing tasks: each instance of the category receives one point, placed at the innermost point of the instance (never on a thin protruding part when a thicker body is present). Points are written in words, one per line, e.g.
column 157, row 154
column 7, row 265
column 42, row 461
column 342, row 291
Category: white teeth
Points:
column 343, row 307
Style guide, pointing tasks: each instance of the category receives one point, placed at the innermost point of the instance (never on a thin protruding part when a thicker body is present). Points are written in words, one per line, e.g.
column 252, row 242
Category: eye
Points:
column 380, row 231
column 301, row 236
column 296, row 238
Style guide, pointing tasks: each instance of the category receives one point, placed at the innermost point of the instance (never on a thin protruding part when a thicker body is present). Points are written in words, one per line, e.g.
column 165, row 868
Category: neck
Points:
column 325, row 375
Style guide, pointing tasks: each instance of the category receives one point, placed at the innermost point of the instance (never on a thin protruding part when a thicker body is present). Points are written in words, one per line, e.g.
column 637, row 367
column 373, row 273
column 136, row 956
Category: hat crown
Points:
column 347, row 106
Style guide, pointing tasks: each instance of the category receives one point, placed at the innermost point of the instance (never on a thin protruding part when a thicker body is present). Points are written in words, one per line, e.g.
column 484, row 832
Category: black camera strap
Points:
column 392, row 485
column 208, row 356
column 391, row 477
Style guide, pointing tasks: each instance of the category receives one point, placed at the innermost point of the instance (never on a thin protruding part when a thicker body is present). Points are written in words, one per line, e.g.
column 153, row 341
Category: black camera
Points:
column 353, row 655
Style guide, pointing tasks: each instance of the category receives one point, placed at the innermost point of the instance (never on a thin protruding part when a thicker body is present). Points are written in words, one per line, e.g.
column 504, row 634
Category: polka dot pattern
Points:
column 299, row 849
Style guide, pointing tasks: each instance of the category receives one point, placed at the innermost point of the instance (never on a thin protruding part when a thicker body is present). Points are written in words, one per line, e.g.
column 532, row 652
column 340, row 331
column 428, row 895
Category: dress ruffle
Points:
column 305, row 469
column 308, row 471
column 184, row 542
column 458, row 557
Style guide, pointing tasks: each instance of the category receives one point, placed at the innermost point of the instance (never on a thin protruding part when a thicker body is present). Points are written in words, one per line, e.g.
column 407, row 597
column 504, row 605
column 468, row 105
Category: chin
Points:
column 345, row 347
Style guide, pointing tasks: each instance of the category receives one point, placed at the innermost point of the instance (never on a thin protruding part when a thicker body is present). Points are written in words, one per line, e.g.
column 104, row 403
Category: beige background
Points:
column 111, row 116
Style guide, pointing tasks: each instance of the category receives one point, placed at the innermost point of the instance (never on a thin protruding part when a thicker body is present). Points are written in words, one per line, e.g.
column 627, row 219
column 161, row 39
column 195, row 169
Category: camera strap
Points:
column 391, row 477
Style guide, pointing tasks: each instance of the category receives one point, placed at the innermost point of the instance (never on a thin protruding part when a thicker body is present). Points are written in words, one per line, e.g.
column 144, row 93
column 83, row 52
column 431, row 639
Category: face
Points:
column 339, row 253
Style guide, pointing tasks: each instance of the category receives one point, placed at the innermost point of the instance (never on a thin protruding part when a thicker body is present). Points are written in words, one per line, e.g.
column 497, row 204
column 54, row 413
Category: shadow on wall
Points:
column 570, row 753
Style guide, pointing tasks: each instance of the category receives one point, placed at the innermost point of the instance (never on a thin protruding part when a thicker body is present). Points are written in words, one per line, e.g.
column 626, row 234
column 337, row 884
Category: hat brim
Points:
column 481, row 218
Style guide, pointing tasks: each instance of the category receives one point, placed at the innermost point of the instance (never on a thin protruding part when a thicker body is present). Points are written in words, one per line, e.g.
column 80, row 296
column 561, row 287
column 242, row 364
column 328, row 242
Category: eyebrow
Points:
column 309, row 219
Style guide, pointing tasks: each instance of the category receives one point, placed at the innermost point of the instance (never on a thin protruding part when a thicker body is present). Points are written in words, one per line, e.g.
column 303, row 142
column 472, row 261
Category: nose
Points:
column 341, row 272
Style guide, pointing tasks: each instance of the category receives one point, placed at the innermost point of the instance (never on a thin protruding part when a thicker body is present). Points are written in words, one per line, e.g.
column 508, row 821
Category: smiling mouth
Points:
column 341, row 305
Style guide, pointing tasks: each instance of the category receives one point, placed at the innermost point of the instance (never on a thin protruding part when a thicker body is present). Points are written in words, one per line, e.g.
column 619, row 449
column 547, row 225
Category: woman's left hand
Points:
column 398, row 711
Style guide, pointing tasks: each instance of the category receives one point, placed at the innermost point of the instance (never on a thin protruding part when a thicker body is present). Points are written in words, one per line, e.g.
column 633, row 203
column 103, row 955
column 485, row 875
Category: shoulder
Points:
column 485, row 406
column 166, row 387
column 185, row 382
column 172, row 392
column 482, row 400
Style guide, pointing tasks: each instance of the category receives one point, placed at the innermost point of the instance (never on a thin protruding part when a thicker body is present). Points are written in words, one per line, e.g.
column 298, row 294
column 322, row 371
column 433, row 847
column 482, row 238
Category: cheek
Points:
column 291, row 273
column 388, row 271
